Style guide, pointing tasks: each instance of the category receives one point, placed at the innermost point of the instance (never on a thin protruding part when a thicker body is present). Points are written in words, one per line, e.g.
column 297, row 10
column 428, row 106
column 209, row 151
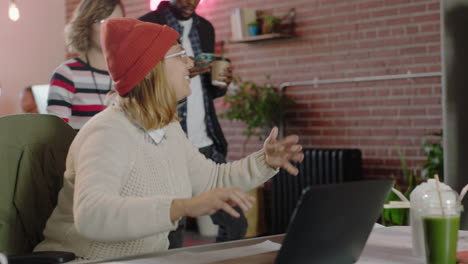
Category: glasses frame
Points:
column 182, row 54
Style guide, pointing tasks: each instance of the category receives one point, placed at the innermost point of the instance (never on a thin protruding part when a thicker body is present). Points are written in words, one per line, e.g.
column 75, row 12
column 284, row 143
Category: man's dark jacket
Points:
column 210, row 92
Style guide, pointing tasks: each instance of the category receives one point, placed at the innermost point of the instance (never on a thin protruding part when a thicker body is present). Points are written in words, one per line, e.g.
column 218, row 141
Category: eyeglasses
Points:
column 182, row 54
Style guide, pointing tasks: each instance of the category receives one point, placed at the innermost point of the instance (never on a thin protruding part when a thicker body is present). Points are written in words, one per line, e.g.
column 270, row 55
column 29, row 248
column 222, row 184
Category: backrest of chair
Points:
column 33, row 150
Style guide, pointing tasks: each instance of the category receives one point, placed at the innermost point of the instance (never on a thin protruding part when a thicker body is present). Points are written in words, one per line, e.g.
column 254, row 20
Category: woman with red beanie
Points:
column 131, row 173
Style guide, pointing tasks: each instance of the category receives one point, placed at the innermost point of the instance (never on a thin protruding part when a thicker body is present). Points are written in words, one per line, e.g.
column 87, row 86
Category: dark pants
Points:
column 176, row 237
column 229, row 228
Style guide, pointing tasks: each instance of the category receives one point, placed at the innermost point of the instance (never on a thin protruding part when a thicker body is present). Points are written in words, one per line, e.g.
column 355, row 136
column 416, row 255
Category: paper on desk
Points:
column 209, row 256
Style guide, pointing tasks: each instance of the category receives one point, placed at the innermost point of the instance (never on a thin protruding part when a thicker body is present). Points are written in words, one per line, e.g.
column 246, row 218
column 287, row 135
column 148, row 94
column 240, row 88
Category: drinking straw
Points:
column 404, row 203
column 436, row 176
column 463, row 192
column 400, row 195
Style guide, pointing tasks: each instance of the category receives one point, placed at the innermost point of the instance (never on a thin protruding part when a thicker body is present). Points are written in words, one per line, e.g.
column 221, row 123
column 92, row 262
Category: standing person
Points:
column 79, row 86
column 199, row 119
column 28, row 103
column 131, row 172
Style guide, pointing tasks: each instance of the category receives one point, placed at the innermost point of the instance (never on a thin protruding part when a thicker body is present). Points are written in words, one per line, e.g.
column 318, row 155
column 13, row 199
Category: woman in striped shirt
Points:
column 79, row 86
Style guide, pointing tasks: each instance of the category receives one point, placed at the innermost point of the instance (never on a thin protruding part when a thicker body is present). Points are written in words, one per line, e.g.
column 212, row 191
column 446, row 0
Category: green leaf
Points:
column 428, row 168
column 392, row 217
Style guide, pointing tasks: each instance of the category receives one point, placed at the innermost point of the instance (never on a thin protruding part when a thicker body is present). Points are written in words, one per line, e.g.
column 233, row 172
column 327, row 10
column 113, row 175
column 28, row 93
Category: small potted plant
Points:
column 270, row 24
column 260, row 107
column 253, row 28
column 434, row 164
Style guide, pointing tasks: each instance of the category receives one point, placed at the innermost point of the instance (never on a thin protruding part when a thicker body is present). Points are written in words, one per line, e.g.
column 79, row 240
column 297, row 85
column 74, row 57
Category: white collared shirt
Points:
column 196, row 127
column 157, row 135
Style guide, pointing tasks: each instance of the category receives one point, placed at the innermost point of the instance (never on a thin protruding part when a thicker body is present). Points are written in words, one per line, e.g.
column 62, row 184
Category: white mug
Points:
column 3, row 259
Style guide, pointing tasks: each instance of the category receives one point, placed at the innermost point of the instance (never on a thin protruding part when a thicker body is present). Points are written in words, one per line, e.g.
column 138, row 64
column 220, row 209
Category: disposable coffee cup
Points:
column 218, row 68
column 441, row 221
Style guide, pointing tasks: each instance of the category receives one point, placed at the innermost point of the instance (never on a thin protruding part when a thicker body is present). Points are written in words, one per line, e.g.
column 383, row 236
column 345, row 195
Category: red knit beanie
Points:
column 133, row 48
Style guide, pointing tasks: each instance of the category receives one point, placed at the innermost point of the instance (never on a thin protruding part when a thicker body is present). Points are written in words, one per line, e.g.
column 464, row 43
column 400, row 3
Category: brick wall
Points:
column 133, row 8
column 341, row 39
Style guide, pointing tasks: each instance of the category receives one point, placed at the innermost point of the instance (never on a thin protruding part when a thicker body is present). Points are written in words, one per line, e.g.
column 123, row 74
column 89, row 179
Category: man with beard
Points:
column 198, row 115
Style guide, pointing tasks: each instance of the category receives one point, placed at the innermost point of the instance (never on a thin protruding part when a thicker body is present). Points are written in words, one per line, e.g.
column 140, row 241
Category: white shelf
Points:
column 263, row 37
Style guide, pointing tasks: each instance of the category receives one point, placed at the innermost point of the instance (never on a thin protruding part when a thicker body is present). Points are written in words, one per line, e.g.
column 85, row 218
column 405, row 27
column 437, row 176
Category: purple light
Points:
column 154, row 4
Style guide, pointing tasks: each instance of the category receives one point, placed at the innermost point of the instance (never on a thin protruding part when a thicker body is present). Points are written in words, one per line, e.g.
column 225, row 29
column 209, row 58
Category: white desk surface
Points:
column 386, row 245
column 391, row 245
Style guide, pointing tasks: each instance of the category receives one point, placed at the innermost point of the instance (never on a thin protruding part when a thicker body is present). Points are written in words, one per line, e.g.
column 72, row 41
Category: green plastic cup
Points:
column 441, row 221
column 441, row 236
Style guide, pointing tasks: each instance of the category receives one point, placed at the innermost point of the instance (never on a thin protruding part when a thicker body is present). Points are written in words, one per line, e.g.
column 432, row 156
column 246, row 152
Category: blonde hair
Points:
column 78, row 31
column 152, row 103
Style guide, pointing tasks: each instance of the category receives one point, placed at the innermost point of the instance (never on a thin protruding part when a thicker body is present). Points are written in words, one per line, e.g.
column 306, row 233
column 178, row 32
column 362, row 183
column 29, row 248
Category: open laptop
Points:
column 40, row 93
column 332, row 223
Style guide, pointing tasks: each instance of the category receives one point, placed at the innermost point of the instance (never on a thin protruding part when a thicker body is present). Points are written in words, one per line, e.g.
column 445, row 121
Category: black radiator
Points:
column 320, row 166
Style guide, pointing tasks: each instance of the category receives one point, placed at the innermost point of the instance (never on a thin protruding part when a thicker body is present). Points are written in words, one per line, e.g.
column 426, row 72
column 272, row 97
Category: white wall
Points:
column 30, row 48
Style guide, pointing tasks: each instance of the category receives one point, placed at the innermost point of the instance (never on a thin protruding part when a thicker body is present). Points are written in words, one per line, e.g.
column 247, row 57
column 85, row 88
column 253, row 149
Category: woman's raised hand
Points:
column 210, row 202
column 279, row 152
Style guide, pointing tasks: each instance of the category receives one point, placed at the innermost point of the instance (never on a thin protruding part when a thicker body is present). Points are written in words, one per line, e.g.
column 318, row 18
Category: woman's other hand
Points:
column 279, row 152
column 212, row 201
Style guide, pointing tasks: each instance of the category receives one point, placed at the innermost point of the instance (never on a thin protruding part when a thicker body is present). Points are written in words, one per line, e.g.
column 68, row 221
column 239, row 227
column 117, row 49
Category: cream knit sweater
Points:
column 119, row 185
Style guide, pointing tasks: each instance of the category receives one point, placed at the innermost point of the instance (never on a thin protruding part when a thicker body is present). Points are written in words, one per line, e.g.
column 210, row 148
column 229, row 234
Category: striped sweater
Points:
column 74, row 96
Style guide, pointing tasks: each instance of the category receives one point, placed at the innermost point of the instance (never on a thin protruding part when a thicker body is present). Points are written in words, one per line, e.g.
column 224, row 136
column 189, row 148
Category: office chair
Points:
column 33, row 149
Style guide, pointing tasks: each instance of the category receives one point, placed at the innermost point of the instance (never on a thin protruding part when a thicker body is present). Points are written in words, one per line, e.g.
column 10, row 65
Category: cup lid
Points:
column 222, row 59
column 447, row 199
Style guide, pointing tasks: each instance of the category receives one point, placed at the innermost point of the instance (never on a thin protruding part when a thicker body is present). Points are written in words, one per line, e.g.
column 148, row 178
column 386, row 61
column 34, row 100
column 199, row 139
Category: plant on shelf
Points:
column 260, row 107
column 431, row 166
column 288, row 24
column 253, row 23
column 253, row 28
column 270, row 23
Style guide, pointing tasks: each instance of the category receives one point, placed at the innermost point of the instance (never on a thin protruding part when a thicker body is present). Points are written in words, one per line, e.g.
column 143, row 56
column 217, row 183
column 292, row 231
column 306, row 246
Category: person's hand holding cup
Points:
column 220, row 68
column 202, row 64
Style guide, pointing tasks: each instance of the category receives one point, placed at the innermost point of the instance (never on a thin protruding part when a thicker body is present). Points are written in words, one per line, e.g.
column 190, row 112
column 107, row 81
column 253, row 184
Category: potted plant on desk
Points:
column 434, row 164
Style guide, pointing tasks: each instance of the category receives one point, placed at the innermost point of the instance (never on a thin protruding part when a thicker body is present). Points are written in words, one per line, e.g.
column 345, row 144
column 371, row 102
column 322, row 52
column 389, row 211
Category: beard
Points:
column 178, row 13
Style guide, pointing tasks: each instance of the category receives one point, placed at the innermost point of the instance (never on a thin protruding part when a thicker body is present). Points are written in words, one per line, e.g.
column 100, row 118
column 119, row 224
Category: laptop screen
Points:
column 331, row 223
column 41, row 93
